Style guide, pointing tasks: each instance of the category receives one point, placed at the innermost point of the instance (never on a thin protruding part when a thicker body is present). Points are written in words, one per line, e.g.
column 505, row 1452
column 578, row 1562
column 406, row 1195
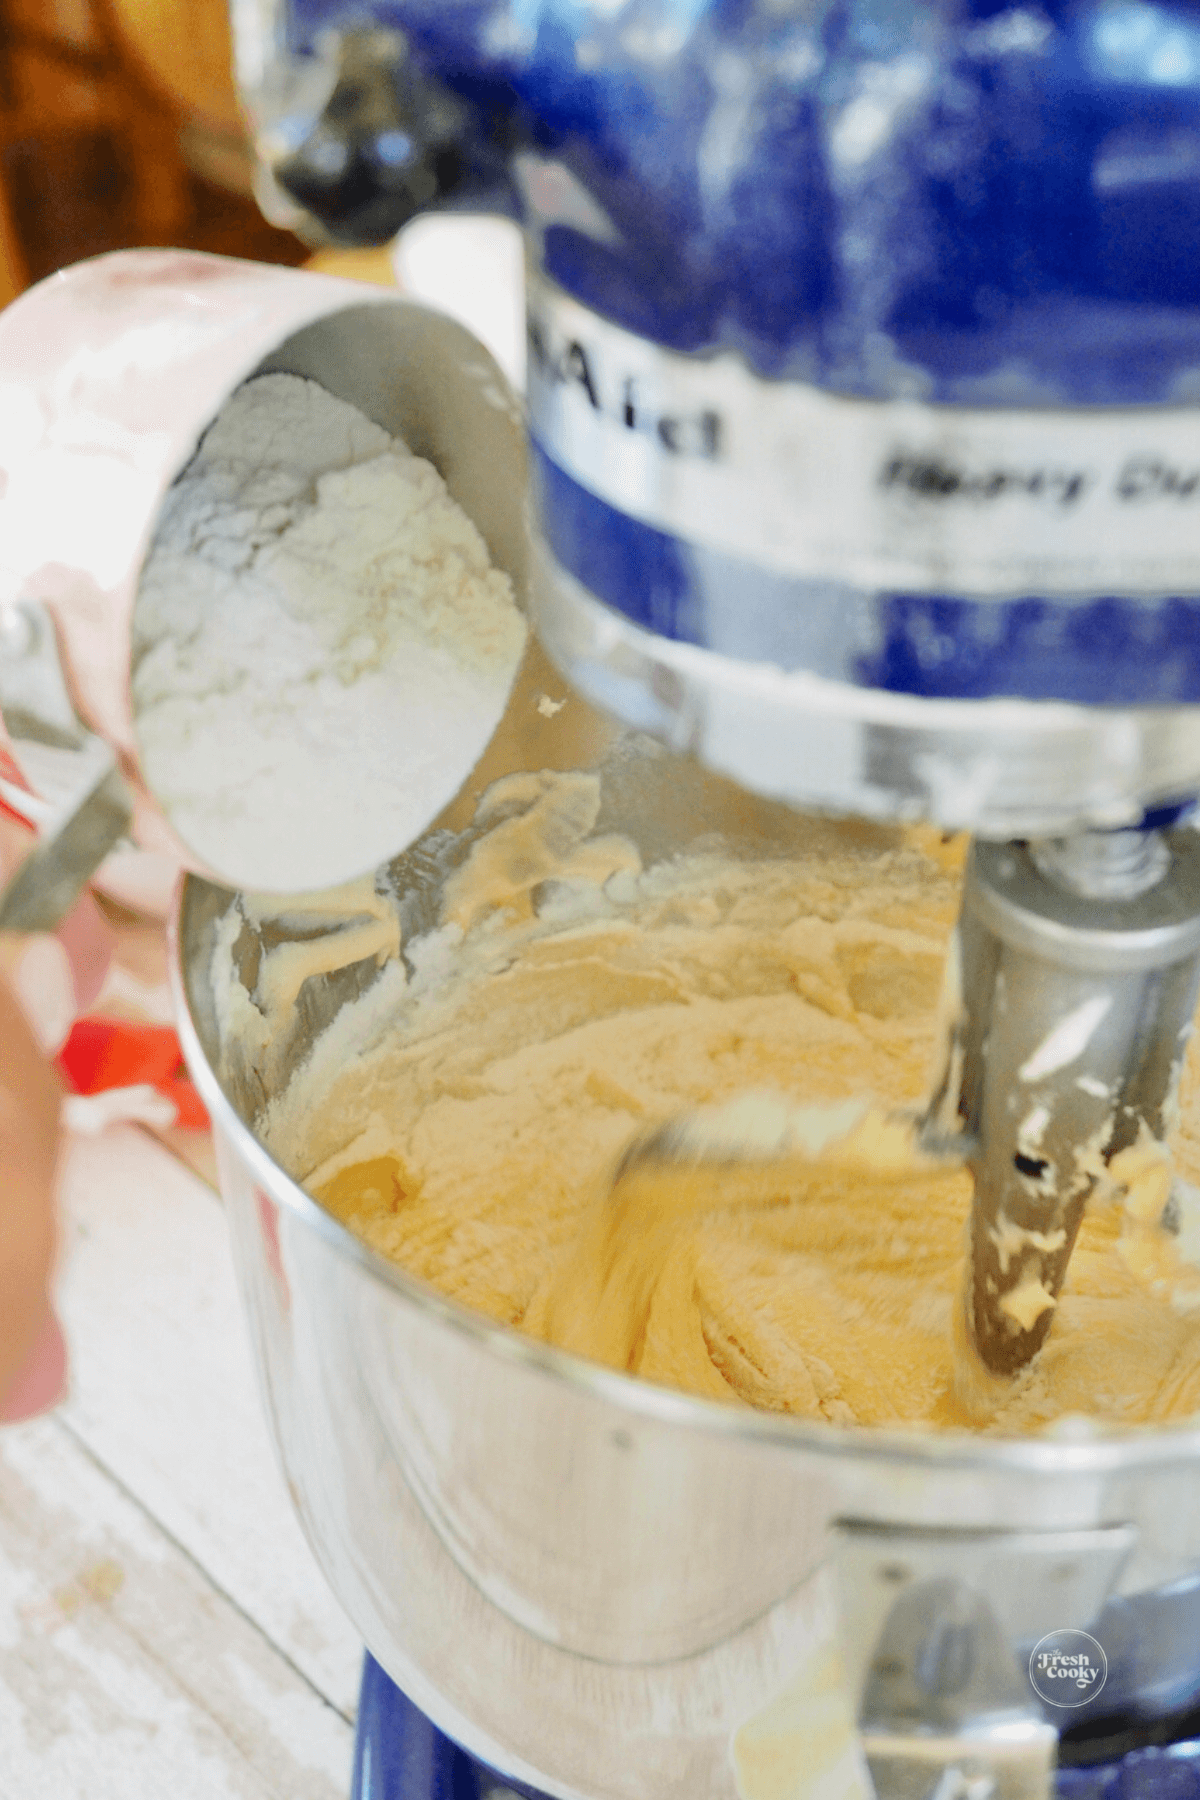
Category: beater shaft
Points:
column 1080, row 962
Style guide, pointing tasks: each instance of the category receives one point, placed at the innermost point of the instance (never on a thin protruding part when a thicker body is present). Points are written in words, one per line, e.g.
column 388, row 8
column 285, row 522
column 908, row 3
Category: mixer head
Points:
column 860, row 350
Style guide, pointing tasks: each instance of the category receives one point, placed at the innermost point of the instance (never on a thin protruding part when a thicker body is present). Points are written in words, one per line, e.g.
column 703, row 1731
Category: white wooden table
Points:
column 165, row 1633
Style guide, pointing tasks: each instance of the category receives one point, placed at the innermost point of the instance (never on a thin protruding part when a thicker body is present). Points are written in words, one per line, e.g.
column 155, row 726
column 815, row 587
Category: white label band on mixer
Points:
column 893, row 494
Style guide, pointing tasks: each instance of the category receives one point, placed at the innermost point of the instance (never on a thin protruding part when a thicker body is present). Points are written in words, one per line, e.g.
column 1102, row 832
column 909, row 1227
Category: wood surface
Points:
column 119, row 125
column 13, row 278
column 184, row 49
column 164, row 1629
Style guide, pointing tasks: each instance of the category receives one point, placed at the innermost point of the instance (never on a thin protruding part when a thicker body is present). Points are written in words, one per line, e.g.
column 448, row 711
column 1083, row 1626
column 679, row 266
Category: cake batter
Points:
column 466, row 1115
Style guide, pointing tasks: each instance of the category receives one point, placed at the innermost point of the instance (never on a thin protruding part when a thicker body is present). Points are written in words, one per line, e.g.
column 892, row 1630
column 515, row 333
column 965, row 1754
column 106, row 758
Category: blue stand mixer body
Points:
column 964, row 206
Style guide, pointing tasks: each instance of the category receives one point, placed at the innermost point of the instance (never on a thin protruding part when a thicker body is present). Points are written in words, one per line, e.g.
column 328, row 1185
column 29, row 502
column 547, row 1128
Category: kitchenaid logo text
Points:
column 1141, row 478
column 569, row 363
column 984, row 502
column 1068, row 1668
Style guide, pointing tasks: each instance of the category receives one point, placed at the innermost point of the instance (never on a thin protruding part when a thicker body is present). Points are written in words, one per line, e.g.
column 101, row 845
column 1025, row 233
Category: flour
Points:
column 321, row 647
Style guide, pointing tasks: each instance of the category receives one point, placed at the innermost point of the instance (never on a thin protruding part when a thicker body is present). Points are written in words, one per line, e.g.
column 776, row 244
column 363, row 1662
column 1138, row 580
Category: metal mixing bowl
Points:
column 615, row 1591
column 592, row 1582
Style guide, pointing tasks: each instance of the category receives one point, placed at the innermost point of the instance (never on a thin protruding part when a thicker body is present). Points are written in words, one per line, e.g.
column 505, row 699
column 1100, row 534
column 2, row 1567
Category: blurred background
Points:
column 119, row 125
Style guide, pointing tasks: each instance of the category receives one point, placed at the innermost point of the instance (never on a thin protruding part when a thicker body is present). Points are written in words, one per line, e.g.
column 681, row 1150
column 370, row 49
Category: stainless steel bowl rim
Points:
column 1110, row 1451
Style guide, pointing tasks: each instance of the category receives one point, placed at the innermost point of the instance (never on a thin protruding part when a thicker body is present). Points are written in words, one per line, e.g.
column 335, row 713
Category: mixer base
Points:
column 399, row 1754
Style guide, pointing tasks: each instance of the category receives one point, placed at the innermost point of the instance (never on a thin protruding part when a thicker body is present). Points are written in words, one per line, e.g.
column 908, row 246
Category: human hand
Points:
column 32, row 1355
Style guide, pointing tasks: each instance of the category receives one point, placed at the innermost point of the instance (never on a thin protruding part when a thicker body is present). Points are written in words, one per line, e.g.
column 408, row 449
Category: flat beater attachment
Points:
column 1078, row 966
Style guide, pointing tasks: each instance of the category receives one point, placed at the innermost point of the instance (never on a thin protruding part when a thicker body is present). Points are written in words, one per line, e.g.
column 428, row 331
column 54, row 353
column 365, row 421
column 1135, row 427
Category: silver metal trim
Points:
column 999, row 768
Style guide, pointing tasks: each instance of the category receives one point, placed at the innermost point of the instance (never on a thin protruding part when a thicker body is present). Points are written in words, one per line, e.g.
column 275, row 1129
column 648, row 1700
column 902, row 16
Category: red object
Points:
column 113, row 1053
column 8, row 812
column 11, row 773
column 8, row 767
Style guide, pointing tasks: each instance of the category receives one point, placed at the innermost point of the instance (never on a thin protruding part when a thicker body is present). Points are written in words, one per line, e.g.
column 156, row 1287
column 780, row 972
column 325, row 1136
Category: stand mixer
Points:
column 863, row 347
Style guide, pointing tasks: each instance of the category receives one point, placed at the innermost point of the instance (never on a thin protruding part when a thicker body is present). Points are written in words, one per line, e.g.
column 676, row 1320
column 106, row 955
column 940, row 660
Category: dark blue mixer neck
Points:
column 961, row 201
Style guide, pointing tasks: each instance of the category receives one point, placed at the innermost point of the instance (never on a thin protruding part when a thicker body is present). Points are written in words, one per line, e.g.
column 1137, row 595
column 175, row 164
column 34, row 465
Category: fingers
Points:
column 30, row 1350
